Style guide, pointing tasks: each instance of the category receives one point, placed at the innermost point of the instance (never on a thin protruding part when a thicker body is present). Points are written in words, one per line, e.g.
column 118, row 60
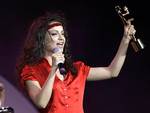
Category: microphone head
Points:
column 56, row 50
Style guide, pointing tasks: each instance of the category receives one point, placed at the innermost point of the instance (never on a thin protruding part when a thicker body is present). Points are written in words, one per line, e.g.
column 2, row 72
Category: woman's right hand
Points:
column 57, row 57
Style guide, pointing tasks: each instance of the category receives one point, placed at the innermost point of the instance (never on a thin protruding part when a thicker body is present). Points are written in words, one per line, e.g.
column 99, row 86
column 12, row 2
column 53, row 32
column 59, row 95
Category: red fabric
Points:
column 67, row 95
column 54, row 24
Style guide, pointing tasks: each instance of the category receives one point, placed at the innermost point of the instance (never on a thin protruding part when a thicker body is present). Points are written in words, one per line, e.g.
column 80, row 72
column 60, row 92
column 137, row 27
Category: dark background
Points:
column 95, row 30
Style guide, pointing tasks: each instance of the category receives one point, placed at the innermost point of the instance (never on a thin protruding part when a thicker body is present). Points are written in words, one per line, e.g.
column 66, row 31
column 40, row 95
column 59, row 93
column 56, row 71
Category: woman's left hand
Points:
column 129, row 29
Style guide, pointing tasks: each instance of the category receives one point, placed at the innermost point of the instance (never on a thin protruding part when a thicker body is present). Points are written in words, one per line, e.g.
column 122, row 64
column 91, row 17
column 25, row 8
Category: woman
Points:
column 47, row 47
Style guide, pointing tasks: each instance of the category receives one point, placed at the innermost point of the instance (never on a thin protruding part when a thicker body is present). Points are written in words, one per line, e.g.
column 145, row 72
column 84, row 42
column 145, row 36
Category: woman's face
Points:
column 54, row 37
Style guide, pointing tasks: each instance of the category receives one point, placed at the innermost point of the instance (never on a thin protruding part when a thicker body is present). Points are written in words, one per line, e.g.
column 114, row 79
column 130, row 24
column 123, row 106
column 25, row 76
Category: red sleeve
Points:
column 82, row 68
column 27, row 73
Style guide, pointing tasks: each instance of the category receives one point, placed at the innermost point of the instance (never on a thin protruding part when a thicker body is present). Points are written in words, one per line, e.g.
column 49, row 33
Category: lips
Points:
column 60, row 44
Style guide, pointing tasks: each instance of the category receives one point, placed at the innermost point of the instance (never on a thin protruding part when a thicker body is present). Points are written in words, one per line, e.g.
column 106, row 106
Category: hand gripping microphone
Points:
column 60, row 65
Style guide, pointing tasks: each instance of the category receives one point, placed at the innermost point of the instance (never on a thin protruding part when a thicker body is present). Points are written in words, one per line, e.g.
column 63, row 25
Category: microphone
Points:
column 60, row 65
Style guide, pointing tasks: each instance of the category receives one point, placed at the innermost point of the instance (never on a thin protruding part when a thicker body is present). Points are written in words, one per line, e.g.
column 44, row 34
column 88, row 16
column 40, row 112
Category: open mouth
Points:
column 60, row 44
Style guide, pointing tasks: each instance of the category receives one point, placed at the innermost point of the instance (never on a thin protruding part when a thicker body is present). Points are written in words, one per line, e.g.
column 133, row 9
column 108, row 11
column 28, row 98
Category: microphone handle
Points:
column 60, row 65
column 62, row 68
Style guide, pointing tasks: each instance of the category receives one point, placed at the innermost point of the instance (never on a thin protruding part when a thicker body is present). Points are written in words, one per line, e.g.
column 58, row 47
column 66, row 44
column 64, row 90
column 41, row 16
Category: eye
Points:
column 62, row 33
column 53, row 34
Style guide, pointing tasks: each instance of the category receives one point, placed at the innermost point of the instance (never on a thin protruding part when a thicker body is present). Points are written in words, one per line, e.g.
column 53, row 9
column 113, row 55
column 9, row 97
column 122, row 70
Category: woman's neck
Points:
column 48, row 56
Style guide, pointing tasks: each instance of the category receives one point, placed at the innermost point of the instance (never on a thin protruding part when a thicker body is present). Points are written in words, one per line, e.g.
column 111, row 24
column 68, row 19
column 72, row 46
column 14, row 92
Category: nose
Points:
column 61, row 37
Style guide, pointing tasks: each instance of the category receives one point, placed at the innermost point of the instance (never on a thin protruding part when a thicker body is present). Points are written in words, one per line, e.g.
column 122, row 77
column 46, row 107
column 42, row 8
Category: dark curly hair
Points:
column 33, row 50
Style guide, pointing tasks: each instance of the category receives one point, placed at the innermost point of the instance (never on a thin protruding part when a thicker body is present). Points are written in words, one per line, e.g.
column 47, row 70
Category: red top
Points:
column 68, row 94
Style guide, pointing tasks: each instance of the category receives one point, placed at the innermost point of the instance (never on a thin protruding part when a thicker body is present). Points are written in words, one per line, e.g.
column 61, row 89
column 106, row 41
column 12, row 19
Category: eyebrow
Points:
column 56, row 31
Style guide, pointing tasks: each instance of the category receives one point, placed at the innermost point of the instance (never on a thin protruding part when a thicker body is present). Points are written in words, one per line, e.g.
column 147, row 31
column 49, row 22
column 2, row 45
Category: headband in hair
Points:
column 54, row 24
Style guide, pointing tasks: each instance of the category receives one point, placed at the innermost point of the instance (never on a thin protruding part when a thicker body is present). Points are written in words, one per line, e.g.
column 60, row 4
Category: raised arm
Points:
column 113, row 69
